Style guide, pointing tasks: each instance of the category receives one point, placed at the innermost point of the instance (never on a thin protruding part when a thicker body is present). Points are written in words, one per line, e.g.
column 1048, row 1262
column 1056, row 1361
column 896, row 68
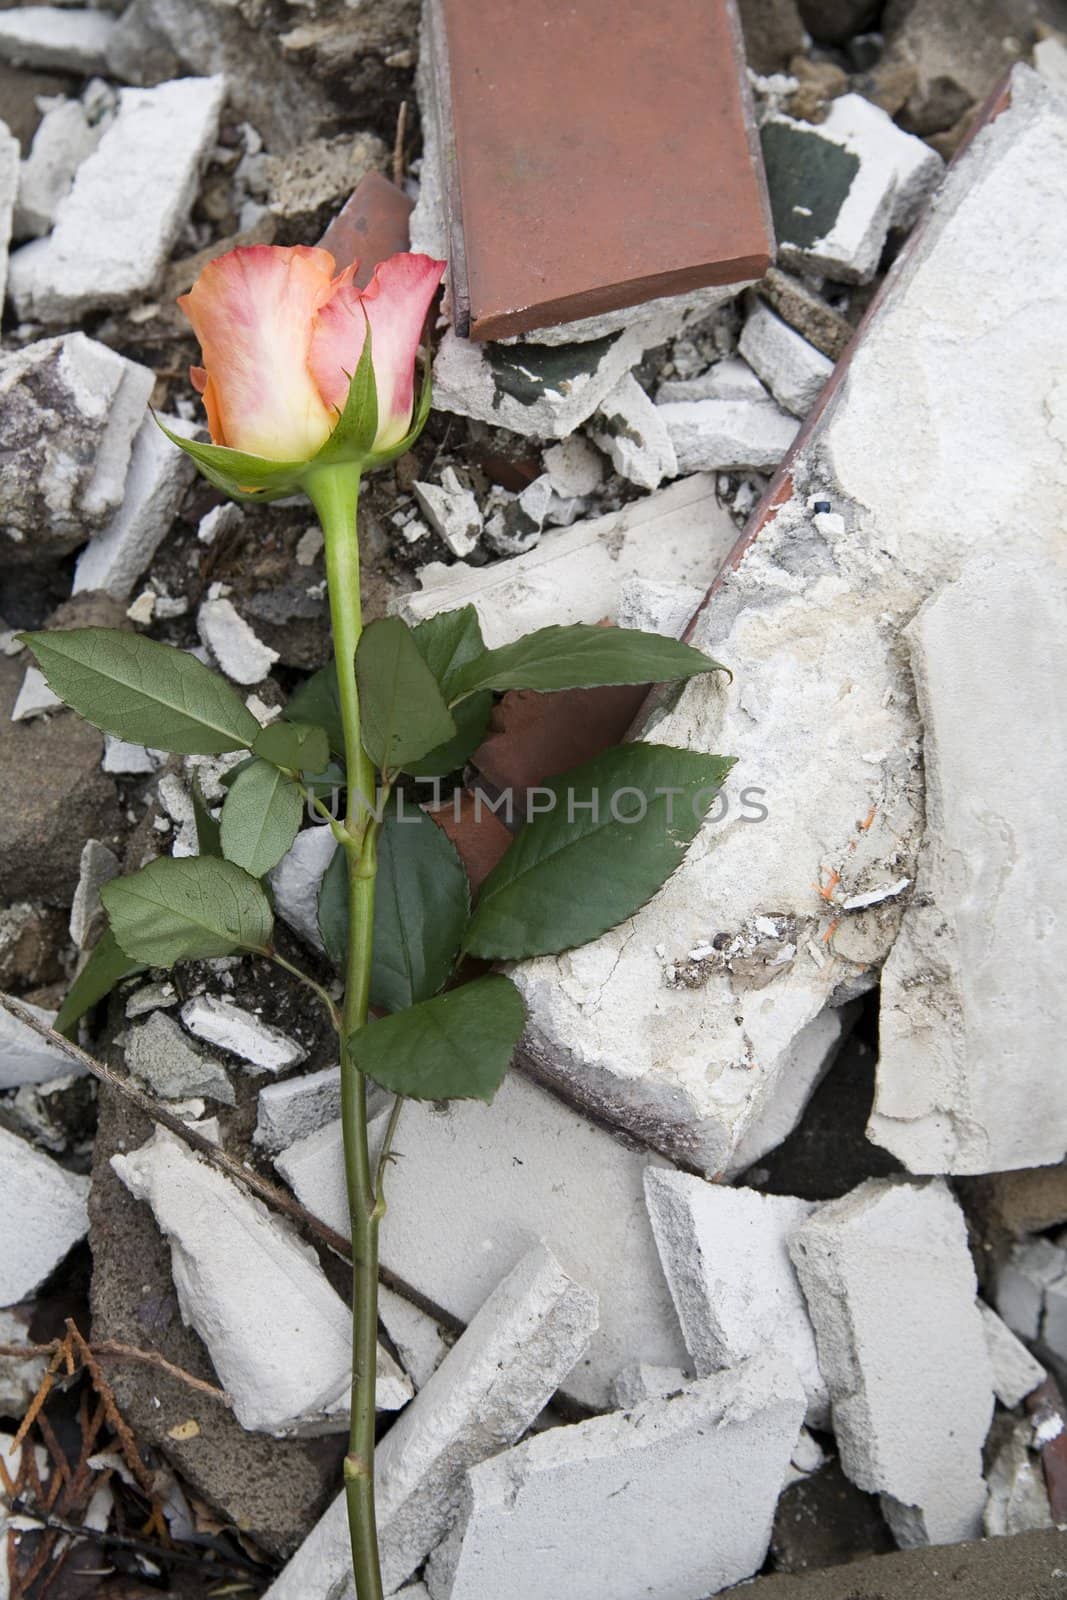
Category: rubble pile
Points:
column 756, row 1269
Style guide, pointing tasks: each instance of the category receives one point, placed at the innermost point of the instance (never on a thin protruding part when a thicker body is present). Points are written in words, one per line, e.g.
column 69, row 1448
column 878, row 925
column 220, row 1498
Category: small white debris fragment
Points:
column 130, row 199
column 20, row 1378
column 62, row 142
column 159, row 1053
column 1015, row 1372
column 574, row 468
column 50, row 1204
column 452, row 511
column 219, row 520
column 9, row 180
column 606, row 1507
column 1018, row 1499
column 725, row 1253
column 630, row 429
column 297, row 1108
column 725, row 435
column 515, row 527
column 159, row 474
column 26, row 1057
column 277, row 1333
column 98, row 866
column 142, row 610
column 730, row 379
column 639, row 1382
column 56, row 38
column 295, row 881
column 34, row 698
column 1050, row 59
column 489, row 1388
column 240, row 653
column 793, row 370
column 875, row 897
column 309, row 547
column 231, row 1027
column 150, row 998
column 890, row 1286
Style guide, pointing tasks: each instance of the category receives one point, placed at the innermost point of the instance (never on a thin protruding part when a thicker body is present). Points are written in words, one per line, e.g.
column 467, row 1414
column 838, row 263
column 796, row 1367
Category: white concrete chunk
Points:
column 159, row 1053
column 1018, row 1499
column 295, row 881
column 452, row 511
column 729, row 379
column 45, row 1211
column 278, row 1335
column 630, row 430
column 726, row 1256
column 959, row 367
column 544, row 1173
column 727, row 435
column 62, row 142
column 832, row 198
column 890, row 1285
column 674, row 1498
column 419, row 1339
column 296, row 1108
column 1015, row 1372
column 125, row 759
column 1054, row 1327
column 9, row 179
column 574, row 468
column 130, row 198
column 35, row 698
column 793, row 370
column 25, row 1057
column 1050, row 59
column 679, row 534
column 231, row 1027
column 57, row 38
column 159, row 475
column 1023, row 1281
column 490, row 1387
column 98, row 865
column 916, row 170
column 639, row 1382
column 237, row 648
column 20, row 1378
column 973, row 1004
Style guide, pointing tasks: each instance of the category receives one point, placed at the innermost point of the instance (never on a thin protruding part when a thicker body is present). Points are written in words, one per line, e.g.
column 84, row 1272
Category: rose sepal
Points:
column 242, row 476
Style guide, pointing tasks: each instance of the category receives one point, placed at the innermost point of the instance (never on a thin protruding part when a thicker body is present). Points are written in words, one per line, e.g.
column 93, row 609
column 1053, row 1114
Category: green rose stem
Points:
column 334, row 492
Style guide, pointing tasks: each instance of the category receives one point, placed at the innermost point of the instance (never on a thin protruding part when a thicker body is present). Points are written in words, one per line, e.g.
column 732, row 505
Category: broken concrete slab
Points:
column 793, row 370
column 242, row 1033
column 236, row 647
column 552, row 1175
column 296, row 1108
column 57, row 38
column 1015, row 1372
column 51, row 1206
column 1023, row 1280
column 970, row 1017
column 27, row 1058
column 916, row 169
column 9, row 178
column 487, row 1391
column 890, row 1286
column 574, row 468
column 630, row 430
column 159, row 475
column 418, row 1338
column 726, row 1256
column 162, row 1057
column 130, row 198
column 728, row 435
column 62, row 142
column 70, row 410
column 278, row 1334
column 679, row 534
column 821, row 707
column 832, row 200
column 452, row 511
column 606, row 1507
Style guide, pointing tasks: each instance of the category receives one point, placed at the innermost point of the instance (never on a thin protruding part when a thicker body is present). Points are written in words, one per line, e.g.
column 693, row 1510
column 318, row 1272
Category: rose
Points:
column 281, row 337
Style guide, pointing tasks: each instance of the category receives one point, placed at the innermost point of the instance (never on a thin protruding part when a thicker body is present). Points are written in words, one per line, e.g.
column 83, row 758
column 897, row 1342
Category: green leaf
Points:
column 318, row 701
column 142, row 691
column 299, row 745
column 245, row 477
column 581, row 656
column 404, row 715
column 106, row 966
column 575, row 871
column 332, row 908
column 260, row 818
column 353, row 437
column 208, row 840
column 455, row 1047
column 447, row 642
column 421, row 906
column 189, row 908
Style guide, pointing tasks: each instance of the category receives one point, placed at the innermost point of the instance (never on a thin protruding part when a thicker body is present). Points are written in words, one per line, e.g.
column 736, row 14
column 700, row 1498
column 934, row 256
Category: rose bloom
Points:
column 281, row 336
